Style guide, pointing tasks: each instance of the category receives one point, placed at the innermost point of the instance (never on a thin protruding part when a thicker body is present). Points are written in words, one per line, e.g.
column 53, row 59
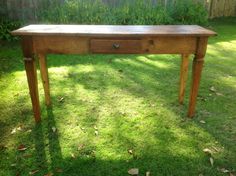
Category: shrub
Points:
column 125, row 13
column 6, row 26
column 128, row 12
column 188, row 12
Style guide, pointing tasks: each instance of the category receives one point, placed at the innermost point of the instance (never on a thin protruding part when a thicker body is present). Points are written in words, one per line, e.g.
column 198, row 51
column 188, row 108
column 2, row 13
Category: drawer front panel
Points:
column 115, row 46
column 169, row 45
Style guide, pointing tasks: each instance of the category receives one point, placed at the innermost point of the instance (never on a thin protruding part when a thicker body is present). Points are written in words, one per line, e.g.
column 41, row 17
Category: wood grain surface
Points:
column 113, row 30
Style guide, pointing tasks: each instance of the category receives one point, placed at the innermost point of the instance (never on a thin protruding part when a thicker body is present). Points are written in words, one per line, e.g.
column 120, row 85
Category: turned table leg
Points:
column 31, row 72
column 183, row 76
column 196, row 73
column 44, row 76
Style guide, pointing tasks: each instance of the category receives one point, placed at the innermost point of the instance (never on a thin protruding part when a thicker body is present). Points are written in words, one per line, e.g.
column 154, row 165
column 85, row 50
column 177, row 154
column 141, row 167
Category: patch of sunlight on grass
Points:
column 231, row 46
column 228, row 80
column 59, row 70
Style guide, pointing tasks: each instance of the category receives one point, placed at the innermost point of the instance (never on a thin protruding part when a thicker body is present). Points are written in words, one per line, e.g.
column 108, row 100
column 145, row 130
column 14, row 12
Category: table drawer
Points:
column 115, row 46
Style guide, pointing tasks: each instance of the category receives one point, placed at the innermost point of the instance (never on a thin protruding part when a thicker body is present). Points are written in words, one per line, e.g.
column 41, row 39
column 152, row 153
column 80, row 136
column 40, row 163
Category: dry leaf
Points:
column 19, row 128
column 82, row 128
column 28, row 131
column 231, row 174
column 216, row 149
column 22, row 147
column 223, row 170
column 207, row 150
column 130, row 152
column 202, row 121
column 33, row 172
column 211, row 161
column 133, row 171
column 13, row 131
column 54, row 129
column 212, row 88
column 49, row 174
column 72, row 155
column 96, row 132
column 61, row 99
column 219, row 94
column 16, row 129
column 148, row 173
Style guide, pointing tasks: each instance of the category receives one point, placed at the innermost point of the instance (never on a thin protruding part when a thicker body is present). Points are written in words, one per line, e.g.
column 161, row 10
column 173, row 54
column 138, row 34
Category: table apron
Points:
column 114, row 45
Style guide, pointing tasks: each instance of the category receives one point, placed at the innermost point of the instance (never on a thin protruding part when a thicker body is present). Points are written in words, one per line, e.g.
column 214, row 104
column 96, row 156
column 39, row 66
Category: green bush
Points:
column 128, row 12
column 6, row 26
column 188, row 12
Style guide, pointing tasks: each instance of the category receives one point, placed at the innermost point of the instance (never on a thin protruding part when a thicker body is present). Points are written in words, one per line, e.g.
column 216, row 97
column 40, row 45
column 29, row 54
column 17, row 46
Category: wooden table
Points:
column 39, row 40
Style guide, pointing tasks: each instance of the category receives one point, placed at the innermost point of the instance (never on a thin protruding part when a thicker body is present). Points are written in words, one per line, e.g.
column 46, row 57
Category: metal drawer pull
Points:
column 116, row 46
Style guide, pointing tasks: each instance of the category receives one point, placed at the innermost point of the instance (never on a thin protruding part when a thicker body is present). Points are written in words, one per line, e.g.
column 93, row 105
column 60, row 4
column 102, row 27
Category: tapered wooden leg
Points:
column 44, row 75
column 196, row 72
column 183, row 77
column 196, row 76
column 31, row 72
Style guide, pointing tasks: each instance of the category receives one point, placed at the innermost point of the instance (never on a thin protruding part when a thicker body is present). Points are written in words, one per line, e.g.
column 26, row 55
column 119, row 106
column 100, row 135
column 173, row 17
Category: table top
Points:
column 114, row 30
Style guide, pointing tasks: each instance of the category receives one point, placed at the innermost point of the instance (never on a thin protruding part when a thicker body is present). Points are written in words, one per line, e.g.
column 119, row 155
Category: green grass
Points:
column 132, row 102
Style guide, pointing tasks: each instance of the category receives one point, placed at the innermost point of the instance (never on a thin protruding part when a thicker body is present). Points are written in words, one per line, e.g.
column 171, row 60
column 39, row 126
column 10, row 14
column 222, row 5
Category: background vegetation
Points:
column 126, row 13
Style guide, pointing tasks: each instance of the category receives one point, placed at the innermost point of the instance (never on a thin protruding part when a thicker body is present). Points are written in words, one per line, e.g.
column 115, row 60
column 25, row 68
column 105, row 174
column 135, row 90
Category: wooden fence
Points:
column 26, row 10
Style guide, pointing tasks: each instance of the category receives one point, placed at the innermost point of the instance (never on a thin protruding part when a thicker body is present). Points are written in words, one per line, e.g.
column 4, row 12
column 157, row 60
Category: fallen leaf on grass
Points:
column 72, row 155
column 148, row 173
column 95, row 127
column 211, row 161
column 61, row 99
column 82, row 128
column 212, row 89
column 33, row 172
column 130, row 152
column 223, row 170
column 54, row 129
column 49, row 174
column 207, row 150
column 22, row 147
column 14, row 130
column 216, row 149
column 133, row 171
column 219, row 94
column 231, row 174
column 202, row 121
column 13, row 165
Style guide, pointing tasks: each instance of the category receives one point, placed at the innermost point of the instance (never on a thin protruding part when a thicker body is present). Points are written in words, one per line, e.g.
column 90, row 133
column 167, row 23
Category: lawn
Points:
column 111, row 113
